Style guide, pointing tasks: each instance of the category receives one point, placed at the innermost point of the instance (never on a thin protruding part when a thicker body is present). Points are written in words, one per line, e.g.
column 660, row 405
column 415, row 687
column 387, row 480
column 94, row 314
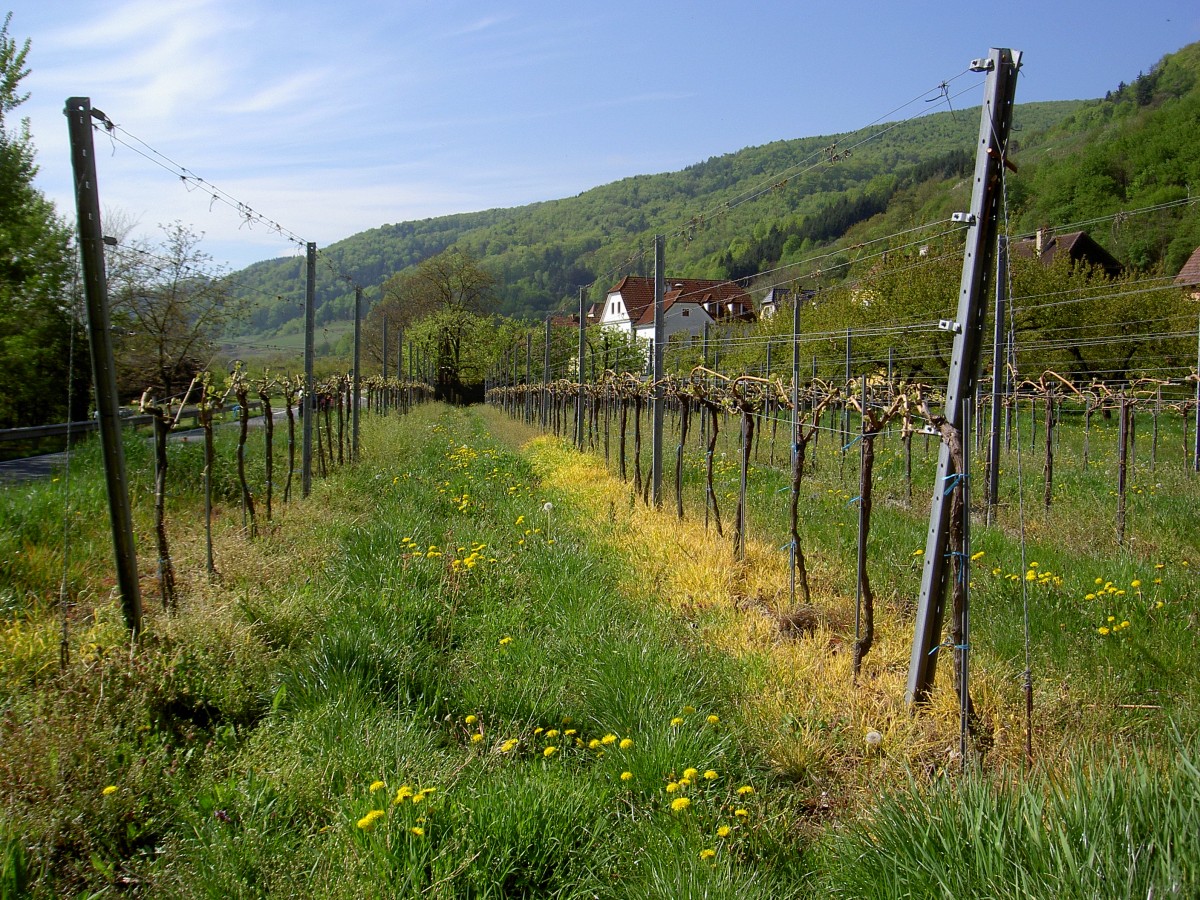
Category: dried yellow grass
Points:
column 802, row 704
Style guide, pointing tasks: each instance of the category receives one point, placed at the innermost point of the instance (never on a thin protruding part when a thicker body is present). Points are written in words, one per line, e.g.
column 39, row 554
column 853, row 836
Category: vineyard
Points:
column 509, row 630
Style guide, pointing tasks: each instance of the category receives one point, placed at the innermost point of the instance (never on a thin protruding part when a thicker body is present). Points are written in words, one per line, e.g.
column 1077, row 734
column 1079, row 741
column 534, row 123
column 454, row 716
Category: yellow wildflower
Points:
column 549, row 751
column 626, row 776
column 707, row 853
column 109, row 790
column 626, row 743
column 723, row 831
column 377, row 786
column 368, row 821
column 679, row 804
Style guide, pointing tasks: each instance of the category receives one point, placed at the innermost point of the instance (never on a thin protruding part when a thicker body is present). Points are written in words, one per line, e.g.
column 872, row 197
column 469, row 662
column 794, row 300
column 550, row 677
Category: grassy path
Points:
column 474, row 666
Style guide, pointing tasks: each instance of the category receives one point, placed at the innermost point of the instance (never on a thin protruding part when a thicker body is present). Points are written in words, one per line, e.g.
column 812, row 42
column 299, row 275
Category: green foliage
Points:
column 36, row 318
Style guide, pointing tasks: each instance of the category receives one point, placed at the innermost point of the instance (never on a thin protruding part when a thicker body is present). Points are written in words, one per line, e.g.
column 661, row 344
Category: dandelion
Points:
column 608, row 739
column 508, row 745
column 918, row 553
column 1158, row 604
column 1090, row 597
column 1099, row 581
column 627, row 776
column 476, row 738
column 873, row 739
column 1136, row 583
column 547, row 506
column 402, row 794
column 707, row 853
column 570, row 732
column 975, row 557
column 626, row 743
column 549, row 752
column 109, row 790
column 552, row 733
column 594, row 744
column 723, row 831
column 676, row 722
column 690, row 773
column 1103, row 629
column 367, row 822
column 710, row 775
column 417, row 830
column 377, row 786
column 740, row 813
column 672, row 787
column 745, row 790
column 520, row 520
column 713, row 720
column 688, row 710
column 505, row 641
column 679, row 804
column 471, row 720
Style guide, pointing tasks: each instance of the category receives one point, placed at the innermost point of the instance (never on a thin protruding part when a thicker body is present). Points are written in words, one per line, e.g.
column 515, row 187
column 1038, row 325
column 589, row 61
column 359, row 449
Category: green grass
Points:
column 1112, row 826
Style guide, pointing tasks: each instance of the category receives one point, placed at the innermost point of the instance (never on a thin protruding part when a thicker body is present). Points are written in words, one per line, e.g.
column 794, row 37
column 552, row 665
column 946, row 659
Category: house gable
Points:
column 1077, row 246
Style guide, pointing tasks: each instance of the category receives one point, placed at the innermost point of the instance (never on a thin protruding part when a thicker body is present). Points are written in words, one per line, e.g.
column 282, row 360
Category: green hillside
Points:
column 735, row 215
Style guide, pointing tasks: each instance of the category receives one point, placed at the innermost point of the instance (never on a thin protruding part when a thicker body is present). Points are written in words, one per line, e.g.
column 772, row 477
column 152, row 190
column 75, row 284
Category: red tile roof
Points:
column 1189, row 275
column 638, row 294
column 1077, row 245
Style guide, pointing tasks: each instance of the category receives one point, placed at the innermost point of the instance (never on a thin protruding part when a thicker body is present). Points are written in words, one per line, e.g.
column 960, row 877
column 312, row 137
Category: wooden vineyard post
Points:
column 1122, row 465
column 1002, row 66
column 80, row 115
column 307, row 406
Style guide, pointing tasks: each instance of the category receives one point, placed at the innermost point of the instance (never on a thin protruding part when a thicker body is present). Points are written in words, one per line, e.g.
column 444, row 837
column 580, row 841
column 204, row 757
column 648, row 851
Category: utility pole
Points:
column 1001, row 66
column 358, row 296
column 307, row 406
column 79, row 115
column 657, row 394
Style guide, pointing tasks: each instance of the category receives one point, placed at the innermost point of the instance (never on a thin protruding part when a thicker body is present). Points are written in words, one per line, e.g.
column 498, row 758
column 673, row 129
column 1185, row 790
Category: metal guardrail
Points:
column 62, row 429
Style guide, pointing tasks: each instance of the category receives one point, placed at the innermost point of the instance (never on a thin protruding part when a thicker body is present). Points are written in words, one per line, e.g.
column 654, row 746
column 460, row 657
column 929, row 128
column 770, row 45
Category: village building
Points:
column 1188, row 279
column 1077, row 246
column 689, row 305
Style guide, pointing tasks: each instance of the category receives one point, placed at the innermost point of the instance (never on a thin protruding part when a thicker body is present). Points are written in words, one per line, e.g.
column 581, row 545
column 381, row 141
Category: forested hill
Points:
column 1077, row 161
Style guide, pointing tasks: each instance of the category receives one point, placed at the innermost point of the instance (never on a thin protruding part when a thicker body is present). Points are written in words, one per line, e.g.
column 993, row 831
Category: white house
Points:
column 688, row 305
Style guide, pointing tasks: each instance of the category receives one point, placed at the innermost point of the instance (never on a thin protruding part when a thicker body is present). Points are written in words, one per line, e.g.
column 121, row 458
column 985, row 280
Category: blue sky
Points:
column 331, row 118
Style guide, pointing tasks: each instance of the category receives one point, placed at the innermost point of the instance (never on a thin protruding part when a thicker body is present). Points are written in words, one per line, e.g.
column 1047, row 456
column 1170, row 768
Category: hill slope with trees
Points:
column 732, row 216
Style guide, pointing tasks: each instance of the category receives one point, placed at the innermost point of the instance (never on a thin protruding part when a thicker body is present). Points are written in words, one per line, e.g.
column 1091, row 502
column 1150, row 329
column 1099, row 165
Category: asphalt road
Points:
column 14, row 471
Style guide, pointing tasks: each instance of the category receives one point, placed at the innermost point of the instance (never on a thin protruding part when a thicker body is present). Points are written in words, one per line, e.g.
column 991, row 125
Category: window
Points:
column 685, row 312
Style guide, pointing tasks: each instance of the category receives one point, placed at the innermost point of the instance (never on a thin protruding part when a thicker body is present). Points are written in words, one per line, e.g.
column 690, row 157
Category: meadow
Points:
column 477, row 664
